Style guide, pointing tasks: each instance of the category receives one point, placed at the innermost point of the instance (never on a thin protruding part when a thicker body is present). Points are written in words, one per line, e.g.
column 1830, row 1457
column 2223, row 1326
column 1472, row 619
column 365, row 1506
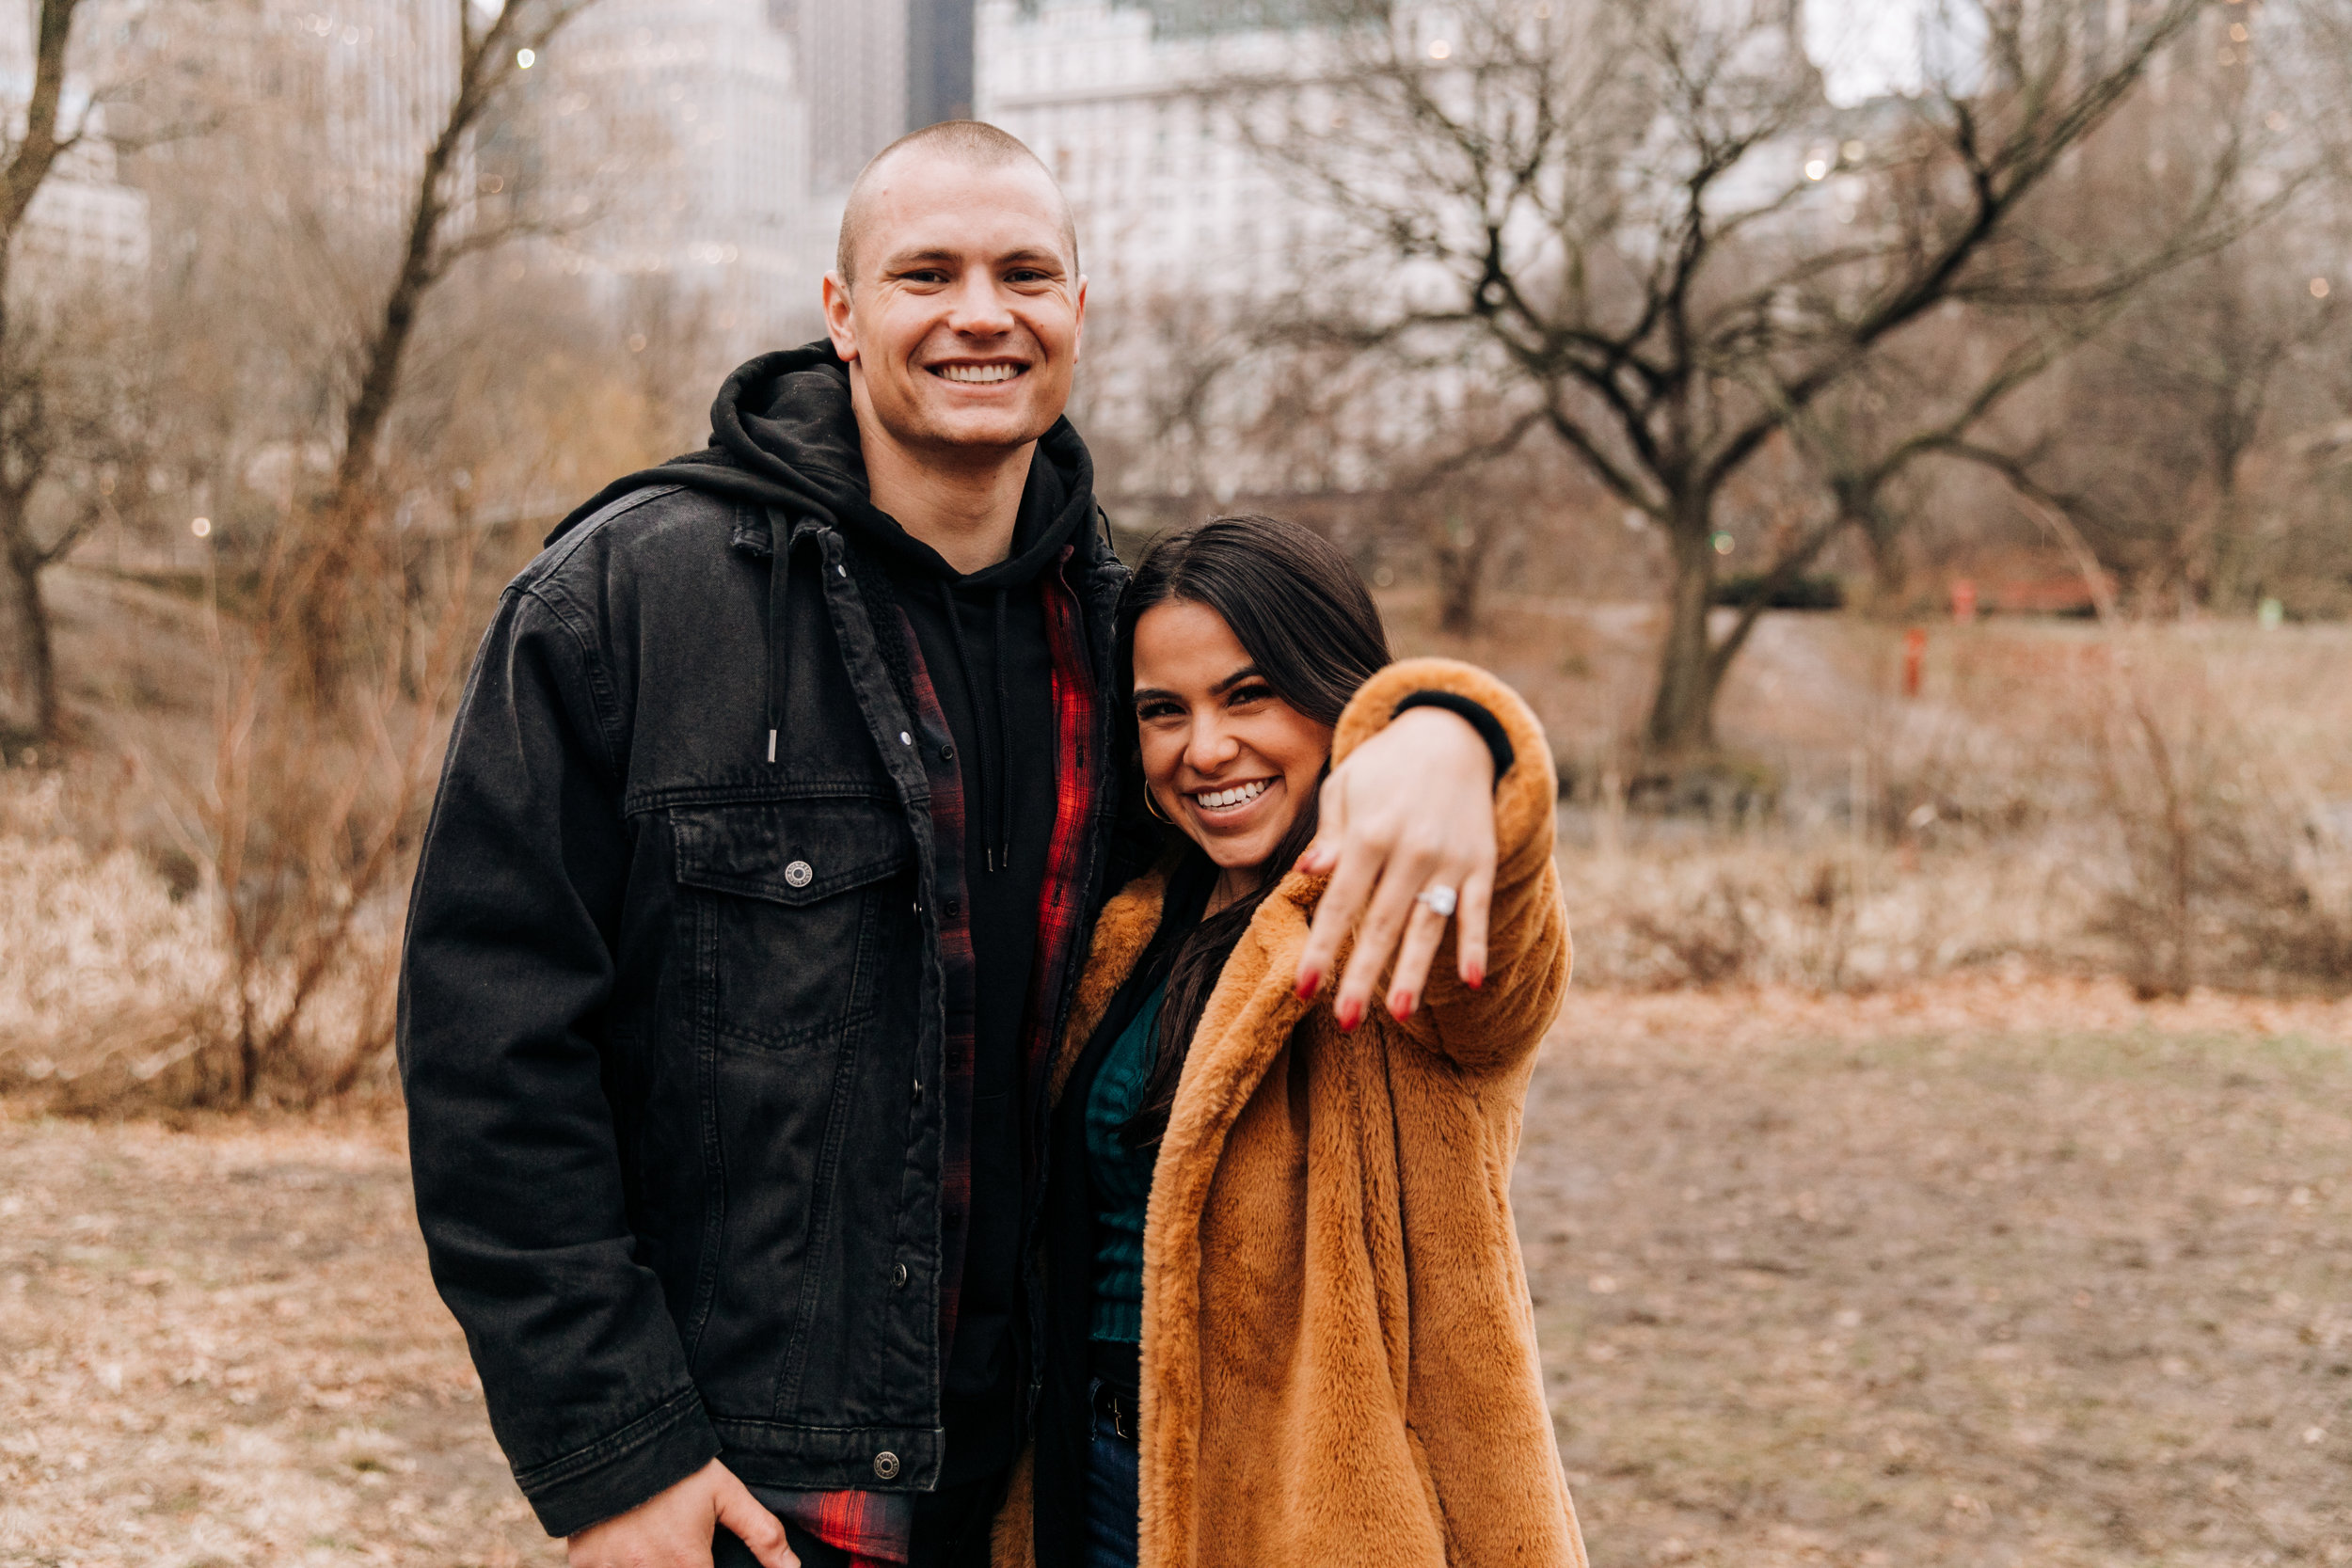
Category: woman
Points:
column 1319, row 1347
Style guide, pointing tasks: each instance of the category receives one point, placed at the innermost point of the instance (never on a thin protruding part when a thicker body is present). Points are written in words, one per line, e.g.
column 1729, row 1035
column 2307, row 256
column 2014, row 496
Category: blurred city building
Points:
column 84, row 223
column 1122, row 101
column 669, row 145
column 875, row 72
column 857, row 75
column 696, row 153
column 379, row 79
column 347, row 97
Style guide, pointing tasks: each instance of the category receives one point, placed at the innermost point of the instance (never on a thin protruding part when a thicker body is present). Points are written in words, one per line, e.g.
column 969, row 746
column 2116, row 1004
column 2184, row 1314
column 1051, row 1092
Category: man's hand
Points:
column 673, row 1529
column 1411, row 808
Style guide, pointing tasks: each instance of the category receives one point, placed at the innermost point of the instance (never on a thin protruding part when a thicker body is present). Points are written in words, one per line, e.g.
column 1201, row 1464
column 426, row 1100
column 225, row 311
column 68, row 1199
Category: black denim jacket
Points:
column 666, row 1010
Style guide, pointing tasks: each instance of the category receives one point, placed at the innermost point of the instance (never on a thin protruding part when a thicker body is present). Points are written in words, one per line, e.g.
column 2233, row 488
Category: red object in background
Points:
column 1914, row 654
column 1963, row 600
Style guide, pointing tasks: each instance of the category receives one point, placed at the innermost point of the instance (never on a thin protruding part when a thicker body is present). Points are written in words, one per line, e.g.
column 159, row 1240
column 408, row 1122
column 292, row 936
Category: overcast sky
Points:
column 1865, row 48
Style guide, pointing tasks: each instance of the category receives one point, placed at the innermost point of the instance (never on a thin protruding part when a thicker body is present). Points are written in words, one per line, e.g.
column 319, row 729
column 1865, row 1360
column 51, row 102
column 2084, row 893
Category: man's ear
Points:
column 1078, row 326
column 838, row 325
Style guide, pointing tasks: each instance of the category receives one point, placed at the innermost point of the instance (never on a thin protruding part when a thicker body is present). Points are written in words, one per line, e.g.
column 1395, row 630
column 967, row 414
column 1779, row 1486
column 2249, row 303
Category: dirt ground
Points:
column 1970, row 1274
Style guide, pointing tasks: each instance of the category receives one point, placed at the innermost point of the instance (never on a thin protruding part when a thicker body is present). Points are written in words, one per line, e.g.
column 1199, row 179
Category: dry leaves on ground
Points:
column 1973, row 1273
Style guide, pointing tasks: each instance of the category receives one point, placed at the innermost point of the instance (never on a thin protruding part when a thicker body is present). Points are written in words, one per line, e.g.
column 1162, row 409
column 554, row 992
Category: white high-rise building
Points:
column 857, row 75
column 387, row 71
column 875, row 70
column 675, row 134
column 1120, row 101
column 84, row 222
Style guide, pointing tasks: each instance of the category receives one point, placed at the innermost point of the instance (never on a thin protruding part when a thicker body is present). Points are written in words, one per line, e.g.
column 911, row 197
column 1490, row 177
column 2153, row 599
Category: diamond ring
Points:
column 1438, row 900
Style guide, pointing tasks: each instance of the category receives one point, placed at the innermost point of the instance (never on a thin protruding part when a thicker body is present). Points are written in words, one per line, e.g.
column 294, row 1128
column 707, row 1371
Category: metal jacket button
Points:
column 886, row 1465
column 798, row 874
column 898, row 1276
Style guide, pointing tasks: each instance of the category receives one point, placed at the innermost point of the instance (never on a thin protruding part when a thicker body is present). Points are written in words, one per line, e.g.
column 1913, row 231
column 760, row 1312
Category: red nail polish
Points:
column 1401, row 1005
column 1309, row 983
column 1351, row 1014
column 1476, row 977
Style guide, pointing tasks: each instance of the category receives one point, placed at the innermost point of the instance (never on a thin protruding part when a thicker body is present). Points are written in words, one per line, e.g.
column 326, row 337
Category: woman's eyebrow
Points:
column 1154, row 693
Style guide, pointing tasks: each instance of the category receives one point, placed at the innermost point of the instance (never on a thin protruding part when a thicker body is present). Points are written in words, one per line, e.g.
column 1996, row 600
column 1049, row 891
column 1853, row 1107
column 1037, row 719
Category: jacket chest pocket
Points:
column 794, row 903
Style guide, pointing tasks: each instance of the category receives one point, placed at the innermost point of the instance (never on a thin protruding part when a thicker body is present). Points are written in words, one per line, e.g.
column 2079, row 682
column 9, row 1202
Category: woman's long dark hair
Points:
column 1296, row 606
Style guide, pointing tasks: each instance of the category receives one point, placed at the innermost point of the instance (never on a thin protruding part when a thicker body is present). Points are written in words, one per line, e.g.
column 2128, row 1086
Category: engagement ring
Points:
column 1438, row 900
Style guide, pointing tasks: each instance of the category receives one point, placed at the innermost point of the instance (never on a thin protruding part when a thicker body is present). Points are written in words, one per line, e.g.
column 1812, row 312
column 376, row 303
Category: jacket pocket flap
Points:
column 793, row 852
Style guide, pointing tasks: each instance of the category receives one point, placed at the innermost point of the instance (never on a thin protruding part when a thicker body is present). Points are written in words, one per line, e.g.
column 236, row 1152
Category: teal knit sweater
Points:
column 1119, row 1177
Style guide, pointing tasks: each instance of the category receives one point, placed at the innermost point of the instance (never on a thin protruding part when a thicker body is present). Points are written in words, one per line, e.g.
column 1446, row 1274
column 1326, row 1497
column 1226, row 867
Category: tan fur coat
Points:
column 1338, row 1352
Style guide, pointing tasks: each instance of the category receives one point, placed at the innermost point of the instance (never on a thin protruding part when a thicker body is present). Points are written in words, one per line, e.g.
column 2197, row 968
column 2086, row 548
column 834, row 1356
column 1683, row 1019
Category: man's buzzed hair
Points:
column 970, row 142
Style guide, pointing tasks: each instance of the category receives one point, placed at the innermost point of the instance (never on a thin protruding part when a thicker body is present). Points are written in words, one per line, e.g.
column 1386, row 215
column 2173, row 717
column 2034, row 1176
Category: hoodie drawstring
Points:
column 779, row 627
column 1002, row 791
column 979, row 731
column 995, row 825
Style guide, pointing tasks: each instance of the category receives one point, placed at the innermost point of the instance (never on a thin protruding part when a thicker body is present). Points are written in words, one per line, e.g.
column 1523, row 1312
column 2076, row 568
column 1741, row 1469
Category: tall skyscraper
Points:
column 1119, row 98
column 878, row 71
column 674, row 135
column 330, row 114
column 939, row 61
column 857, row 84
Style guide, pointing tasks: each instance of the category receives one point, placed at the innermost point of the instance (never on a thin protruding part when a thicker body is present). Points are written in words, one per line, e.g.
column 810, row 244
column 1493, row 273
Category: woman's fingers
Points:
column 1352, row 878
column 1424, row 928
column 1407, row 869
column 1323, row 852
column 1409, row 810
column 1470, row 933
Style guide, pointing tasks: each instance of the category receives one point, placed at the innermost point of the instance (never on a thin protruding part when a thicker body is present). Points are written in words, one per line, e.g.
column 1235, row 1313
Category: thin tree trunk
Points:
column 1682, row 716
column 1461, row 585
column 28, row 676
column 324, row 610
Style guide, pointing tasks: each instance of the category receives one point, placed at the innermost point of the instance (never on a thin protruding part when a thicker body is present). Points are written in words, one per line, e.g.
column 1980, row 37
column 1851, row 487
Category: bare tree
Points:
column 43, row 421
column 444, row 226
column 1650, row 216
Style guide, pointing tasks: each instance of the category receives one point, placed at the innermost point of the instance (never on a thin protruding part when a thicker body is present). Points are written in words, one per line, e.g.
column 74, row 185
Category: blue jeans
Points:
column 1114, row 1469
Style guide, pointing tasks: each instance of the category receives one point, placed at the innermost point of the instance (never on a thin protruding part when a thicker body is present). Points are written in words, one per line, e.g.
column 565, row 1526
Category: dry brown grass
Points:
column 220, row 1346
column 1974, row 1274
column 1965, row 1272
column 2171, row 803
column 202, row 897
column 2006, row 818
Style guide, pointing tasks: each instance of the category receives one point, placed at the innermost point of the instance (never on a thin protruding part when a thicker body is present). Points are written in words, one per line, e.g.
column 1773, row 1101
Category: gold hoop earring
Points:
column 1152, row 804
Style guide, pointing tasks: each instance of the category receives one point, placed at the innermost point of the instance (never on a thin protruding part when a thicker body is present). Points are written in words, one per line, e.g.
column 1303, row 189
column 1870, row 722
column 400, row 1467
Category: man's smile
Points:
column 981, row 374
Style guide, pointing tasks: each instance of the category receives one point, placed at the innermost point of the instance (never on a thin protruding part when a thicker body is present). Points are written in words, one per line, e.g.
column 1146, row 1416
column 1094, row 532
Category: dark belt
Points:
column 1126, row 1413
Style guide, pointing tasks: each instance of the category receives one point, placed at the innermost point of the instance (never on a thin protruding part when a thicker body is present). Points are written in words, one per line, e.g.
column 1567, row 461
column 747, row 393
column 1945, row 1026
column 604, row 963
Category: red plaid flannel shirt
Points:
column 876, row 1528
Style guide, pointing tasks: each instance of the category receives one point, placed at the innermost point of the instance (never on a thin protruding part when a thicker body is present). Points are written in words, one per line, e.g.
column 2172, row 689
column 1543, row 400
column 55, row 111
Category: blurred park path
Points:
column 1972, row 1273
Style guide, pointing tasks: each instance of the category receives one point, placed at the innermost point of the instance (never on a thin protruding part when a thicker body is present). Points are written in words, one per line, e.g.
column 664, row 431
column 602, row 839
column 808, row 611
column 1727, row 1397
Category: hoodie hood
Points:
column 783, row 440
column 782, row 435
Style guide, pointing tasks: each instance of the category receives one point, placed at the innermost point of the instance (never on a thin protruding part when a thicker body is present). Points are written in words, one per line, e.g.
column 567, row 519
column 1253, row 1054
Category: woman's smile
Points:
column 1227, row 760
column 1228, row 805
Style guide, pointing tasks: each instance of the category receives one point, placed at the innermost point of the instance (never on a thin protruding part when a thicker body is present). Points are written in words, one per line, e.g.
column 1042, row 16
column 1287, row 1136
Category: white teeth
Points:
column 1217, row 800
column 979, row 372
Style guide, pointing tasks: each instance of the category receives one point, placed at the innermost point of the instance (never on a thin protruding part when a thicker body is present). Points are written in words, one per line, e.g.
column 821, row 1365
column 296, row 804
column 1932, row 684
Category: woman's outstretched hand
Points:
column 1410, row 809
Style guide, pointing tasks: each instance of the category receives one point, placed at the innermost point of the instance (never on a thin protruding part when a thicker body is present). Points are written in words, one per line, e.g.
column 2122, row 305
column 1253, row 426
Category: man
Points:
column 776, row 810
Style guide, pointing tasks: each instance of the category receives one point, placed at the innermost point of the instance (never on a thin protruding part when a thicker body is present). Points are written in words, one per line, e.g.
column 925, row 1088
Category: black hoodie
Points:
column 782, row 435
